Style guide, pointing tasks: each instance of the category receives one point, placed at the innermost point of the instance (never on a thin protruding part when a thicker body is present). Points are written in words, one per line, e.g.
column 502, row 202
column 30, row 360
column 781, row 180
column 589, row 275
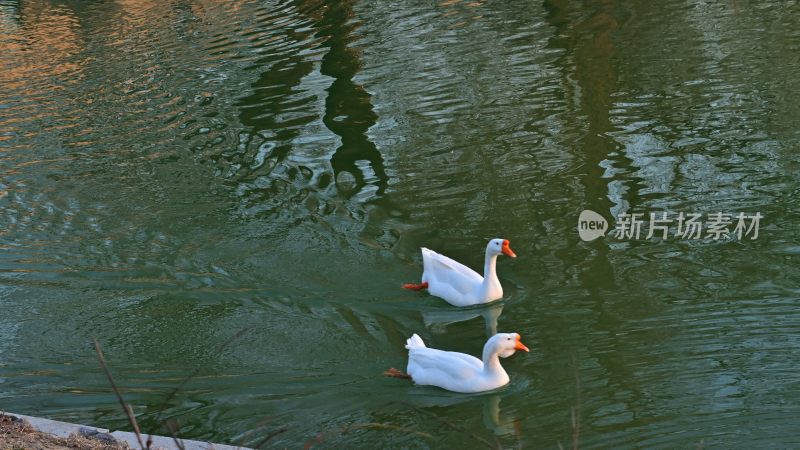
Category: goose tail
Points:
column 414, row 342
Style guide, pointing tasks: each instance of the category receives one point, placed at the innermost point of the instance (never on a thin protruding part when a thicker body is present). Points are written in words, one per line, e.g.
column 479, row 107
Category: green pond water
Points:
column 233, row 193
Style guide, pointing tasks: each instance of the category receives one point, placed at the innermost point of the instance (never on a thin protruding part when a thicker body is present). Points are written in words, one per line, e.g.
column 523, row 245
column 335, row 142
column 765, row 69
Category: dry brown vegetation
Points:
column 16, row 434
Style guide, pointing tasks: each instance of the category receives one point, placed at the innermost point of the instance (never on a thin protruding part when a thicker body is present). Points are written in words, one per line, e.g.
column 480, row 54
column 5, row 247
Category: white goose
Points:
column 458, row 284
column 460, row 372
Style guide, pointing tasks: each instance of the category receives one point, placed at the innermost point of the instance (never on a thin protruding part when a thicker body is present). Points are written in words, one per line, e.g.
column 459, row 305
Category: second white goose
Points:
column 458, row 284
column 460, row 372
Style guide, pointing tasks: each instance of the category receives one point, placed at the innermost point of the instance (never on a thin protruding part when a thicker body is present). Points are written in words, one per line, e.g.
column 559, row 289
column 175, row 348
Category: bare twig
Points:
column 194, row 373
column 518, row 433
column 125, row 407
column 576, row 411
column 270, row 436
column 173, row 430
column 253, row 430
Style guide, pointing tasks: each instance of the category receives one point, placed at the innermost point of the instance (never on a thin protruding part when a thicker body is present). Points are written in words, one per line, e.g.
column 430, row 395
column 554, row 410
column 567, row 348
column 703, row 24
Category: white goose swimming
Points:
column 458, row 284
column 460, row 372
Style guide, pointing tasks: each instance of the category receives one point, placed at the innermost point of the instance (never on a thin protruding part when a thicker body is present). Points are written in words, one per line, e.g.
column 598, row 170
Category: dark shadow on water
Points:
column 356, row 163
column 430, row 402
column 591, row 60
column 438, row 319
column 273, row 95
column 348, row 107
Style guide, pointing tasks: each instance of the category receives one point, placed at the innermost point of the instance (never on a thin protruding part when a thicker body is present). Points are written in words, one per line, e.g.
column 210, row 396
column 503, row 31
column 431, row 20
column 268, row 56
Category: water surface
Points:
column 234, row 192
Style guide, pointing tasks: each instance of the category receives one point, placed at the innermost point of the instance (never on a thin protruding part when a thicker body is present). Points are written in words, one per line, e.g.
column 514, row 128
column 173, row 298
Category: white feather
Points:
column 460, row 372
column 458, row 284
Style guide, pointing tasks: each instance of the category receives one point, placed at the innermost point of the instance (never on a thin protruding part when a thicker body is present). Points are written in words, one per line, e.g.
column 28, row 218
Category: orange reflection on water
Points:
column 465, row 10
column 41, row 49
column 43, row 45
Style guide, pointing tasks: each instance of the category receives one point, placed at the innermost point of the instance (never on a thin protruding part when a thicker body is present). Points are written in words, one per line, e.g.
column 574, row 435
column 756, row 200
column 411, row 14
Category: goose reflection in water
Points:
column 438, row 320
column 499, row 423
column 357, row 165
column 348, row 107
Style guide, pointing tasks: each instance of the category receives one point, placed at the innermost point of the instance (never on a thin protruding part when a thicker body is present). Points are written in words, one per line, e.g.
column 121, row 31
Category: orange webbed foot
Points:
column 392, row 372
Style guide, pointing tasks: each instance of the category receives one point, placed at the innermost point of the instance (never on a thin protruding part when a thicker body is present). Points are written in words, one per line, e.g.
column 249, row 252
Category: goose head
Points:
column 500, row 246
column 506, row 344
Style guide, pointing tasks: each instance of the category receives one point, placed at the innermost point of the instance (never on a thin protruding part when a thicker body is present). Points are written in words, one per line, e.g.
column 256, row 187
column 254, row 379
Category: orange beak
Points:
column 507, row 250
column 519, row 345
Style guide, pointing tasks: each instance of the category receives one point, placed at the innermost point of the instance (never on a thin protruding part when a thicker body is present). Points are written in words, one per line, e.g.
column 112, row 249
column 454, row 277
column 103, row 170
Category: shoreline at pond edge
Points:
column 21, row 431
